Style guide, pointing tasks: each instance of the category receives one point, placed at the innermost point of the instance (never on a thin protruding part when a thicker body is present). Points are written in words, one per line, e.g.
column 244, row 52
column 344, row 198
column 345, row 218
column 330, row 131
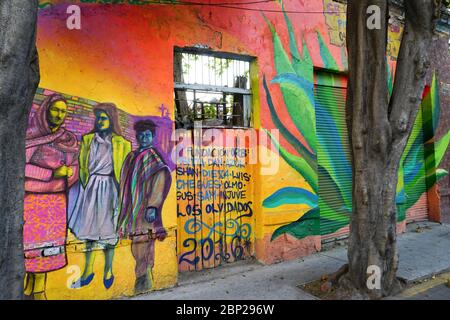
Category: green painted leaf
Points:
column 303, row 66
column 307, row 225
column 431, row 110
column 310, row 158
column 305, row 87
column 413, row 197
column 441, row 148
column 298, row 164
column 435, row 100
column 401, row 213
column 420, row 179
column 433, row 160
column 400, row 191
column 423, row 129
column 390, row 80
column 282, row 62
column 327, row 57
column 416, row 137
column 336, row 202
column 334, row 160
column 290, row 195
column 301, row 112
column 440, row 173
column 295, row 98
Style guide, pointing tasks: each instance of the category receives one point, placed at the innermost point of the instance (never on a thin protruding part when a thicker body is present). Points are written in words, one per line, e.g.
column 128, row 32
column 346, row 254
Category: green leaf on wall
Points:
column 292, row 98
column 435, row 101
column 303, row 66
column 336, row 201
column 290, row 195
column 327, row 57
column 440, row 173
column 310, row 158
column 307, row 225
column 390, row 80
column 441, row 148
column 298, row 164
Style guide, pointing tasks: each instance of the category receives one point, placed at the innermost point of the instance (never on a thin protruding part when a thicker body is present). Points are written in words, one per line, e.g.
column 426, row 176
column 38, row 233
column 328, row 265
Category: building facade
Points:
column 246, row 105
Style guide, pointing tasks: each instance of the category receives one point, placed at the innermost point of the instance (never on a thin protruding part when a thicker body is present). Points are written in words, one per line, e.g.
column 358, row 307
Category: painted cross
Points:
column 164, row 110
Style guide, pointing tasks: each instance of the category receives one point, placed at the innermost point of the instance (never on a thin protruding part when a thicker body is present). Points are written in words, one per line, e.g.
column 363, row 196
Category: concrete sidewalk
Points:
column 424, row 251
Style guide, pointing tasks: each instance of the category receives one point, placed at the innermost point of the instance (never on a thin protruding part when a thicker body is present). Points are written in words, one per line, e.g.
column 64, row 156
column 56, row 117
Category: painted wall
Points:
column 61, row 222
column 323, row 160
column 440, row 61
column 215, row 198
column 124, row 54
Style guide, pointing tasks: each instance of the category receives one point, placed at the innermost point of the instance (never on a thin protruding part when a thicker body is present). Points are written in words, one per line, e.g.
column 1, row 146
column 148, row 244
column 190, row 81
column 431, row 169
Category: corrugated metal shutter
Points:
column 334, row 172
column 334, row 160
column 418, row 211
column 333, row 152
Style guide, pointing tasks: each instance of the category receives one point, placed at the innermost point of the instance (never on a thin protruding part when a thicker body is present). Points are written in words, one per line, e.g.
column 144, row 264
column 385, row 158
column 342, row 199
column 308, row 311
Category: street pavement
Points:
column 424, row 252
column 435, row 288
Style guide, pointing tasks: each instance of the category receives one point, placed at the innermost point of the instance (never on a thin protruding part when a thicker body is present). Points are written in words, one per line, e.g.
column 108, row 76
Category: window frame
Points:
column 225, row 90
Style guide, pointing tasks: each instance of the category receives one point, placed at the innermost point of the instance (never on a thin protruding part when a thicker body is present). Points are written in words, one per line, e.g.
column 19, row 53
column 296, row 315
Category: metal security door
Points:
column 417, row 211
column 334, row 159
column 214, row 203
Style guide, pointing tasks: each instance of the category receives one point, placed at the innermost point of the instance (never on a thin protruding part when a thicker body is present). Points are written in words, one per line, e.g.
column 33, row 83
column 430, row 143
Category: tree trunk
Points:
column 19, row 77
column 379, row 128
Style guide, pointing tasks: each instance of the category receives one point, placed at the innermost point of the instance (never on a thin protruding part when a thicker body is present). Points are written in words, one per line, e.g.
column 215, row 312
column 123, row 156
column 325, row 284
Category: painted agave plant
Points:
column 295, row 77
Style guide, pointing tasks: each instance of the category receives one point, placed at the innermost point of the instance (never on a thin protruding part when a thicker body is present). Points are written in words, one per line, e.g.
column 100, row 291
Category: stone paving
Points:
column 424, row 251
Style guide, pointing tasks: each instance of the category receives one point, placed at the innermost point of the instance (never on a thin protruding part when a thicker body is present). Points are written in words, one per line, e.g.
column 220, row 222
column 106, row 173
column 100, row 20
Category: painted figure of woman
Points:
column 145, row 184
column 94, row 217
column 51, row 169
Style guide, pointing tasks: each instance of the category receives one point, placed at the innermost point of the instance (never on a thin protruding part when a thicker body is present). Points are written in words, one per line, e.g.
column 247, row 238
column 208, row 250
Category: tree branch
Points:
column 412, row 64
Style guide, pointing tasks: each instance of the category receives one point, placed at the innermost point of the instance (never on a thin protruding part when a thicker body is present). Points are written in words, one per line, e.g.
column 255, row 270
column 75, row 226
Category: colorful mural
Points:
column 215, row 202
column 46, row 3
column 335, row 18
column 296, row 80
column 94, row 218
column 120, row 192
column 145, row 183
column 209, row 205
column 51, row 169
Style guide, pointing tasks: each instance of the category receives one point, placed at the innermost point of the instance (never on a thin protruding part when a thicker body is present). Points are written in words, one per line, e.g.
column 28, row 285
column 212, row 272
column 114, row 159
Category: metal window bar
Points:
column 223, row 70
column 206, row 74
column 222, row 115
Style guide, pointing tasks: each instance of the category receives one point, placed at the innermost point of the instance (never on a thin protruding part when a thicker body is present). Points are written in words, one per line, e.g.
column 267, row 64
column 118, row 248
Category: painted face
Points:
column 102, row 122
column 57, row 113
column 145, row 138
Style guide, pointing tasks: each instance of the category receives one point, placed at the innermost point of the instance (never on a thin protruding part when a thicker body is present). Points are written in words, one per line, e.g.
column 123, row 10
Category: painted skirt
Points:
column 44, row 231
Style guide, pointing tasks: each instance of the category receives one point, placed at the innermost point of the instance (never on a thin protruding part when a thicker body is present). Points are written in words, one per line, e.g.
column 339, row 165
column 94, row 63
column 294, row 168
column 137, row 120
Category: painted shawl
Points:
column 46, row 151
column 138, row 172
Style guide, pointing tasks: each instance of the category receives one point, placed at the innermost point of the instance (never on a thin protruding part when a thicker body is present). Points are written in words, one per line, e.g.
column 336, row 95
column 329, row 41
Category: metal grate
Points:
column 212, row 87
column 223, row 113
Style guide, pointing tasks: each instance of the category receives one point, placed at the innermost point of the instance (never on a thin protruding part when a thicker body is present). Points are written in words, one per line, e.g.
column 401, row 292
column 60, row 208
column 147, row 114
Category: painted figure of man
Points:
column 144, row 186
column 51, row 169
column 94, row 217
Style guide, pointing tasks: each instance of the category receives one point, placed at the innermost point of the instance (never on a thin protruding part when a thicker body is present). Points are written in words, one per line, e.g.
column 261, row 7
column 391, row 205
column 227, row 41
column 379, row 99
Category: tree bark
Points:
column 19, row 77
column 379, row 128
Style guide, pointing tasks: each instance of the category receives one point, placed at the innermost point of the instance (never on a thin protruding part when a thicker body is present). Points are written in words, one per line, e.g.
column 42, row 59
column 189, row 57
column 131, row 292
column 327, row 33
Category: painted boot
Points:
column 143, row 284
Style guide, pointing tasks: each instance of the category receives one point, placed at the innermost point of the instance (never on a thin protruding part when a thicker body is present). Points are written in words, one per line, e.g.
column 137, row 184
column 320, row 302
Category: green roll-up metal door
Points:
column 334, row 159
column 334, row 162
column 414, row 178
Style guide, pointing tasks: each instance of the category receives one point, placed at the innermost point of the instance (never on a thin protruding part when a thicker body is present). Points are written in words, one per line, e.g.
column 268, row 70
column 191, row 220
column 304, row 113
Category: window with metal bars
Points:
column 212, row 87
